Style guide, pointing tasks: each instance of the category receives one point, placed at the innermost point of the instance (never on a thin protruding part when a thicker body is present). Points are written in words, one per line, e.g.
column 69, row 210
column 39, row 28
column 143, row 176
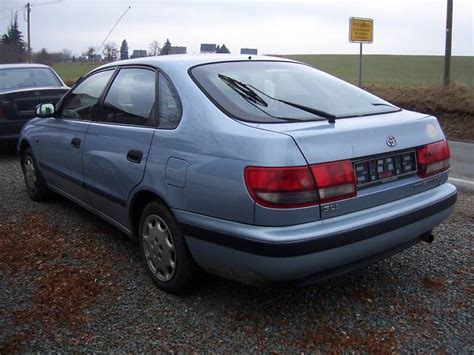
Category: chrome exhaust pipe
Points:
column 427, row 237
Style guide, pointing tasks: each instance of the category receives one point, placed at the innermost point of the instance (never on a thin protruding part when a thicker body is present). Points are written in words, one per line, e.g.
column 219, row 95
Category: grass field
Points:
column 393, row 69
column 411, row 82
column 377, row 69
column 71, row 72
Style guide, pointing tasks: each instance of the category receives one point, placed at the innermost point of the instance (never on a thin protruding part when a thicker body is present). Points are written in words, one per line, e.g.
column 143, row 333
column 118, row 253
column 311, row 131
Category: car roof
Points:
column 187, row 61
column 22, row 66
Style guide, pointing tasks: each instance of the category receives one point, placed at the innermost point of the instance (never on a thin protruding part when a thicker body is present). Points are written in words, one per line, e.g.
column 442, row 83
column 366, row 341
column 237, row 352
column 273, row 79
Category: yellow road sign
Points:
column 361, row 30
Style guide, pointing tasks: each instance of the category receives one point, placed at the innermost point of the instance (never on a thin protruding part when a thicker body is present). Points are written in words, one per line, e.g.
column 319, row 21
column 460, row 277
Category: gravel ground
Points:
column 70, row 282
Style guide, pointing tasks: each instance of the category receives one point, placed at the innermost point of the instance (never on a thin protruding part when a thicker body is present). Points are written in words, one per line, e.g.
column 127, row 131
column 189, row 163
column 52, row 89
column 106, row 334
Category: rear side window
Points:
column 83, row 101
column 131, row 98
column 169, row 108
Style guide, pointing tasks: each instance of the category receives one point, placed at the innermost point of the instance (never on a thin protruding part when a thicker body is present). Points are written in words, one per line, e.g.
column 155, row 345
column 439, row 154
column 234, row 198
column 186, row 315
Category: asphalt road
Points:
column 70, row 282
column 462, row 164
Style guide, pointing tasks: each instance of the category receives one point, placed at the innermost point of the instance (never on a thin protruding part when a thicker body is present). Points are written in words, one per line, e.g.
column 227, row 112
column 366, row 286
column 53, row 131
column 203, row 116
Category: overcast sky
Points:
column 274, row 27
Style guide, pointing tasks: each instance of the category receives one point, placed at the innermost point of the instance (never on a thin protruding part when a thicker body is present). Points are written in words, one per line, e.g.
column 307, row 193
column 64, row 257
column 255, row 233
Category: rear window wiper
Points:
column 249, row 92
column 243, row 90
column 329, row 116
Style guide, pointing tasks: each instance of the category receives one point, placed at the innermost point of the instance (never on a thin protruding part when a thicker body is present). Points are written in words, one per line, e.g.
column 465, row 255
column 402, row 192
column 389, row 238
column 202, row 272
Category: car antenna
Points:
column 250, row 57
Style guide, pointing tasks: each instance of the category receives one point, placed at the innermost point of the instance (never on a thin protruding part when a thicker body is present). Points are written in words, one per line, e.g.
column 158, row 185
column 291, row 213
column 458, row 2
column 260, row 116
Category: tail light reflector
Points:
column 281, row 187
column 335, row 180
column 433, row 158
column 301, row 186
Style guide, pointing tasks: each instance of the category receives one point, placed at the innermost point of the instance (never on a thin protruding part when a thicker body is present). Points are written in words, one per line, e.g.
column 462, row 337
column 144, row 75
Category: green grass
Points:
column 377, row 69
column 71, row 72
column 393, row 69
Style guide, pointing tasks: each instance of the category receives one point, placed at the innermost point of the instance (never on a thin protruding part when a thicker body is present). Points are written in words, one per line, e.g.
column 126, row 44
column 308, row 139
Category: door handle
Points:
column 135, row 156
column 76, row 143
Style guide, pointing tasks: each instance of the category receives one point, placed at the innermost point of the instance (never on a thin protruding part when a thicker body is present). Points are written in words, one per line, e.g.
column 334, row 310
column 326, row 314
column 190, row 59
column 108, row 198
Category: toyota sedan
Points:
column 258, row 169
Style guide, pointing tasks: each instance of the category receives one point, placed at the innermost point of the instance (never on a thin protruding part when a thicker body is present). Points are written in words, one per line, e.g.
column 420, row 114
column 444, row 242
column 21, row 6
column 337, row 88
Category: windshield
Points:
column 281, row 84
column 22, row 78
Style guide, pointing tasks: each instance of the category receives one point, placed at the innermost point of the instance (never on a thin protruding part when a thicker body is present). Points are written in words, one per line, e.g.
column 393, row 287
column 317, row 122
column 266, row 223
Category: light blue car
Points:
column 258, row 169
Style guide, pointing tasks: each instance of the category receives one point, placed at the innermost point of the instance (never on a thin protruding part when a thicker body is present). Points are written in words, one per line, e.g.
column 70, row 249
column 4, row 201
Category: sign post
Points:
column 361, row 30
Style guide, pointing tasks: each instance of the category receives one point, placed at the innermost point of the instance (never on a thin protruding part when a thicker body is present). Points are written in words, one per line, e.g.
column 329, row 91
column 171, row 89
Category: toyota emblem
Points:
column 391, row 141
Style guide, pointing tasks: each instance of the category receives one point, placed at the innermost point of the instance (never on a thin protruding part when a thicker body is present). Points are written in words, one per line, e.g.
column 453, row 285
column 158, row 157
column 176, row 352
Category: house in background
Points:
column 139, row 53
column 178, row 50
column 96, row 58
column 208, row 48
column 251, row 51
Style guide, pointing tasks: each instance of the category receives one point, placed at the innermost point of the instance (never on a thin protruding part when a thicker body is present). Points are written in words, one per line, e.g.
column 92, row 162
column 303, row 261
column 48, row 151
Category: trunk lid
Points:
column 359, row 137
column 21, row 104
column 387, row 142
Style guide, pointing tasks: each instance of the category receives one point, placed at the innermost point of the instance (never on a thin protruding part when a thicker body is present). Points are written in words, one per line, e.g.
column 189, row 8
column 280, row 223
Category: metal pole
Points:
column 360, row 66
column 449, row 35
column 28, row 10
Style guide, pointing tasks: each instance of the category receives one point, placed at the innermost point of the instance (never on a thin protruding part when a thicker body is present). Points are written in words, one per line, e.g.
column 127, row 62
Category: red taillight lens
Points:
column 281, row 187
column 335, row 180
column 301, row 186
column 2, row 112
column 433, row 158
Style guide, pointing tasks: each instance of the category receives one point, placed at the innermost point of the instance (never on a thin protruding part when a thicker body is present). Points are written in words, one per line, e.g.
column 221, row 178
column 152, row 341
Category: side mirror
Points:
column 45, row 110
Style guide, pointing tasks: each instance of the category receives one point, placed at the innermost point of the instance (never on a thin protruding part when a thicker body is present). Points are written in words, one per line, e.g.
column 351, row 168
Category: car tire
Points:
column 35, row 184
column 164, row 250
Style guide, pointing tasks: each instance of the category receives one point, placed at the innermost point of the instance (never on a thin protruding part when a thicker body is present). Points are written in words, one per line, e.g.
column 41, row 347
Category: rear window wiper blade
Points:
column 249, row 92
column 243, row 90
column 329, row 116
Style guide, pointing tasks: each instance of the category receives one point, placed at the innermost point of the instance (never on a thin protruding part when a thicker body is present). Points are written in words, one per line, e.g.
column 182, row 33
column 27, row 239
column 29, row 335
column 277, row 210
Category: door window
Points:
column 82, row 102
column 131, row 98
column 169, row 108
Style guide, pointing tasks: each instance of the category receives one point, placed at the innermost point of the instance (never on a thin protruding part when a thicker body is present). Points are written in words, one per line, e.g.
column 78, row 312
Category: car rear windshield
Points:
column 22, row 78
column 272, row 91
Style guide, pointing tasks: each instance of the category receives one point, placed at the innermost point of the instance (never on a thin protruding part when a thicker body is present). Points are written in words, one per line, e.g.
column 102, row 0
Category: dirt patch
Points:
column 63, row 292
column 452, row 105
column 433, row 283
column 373, row 341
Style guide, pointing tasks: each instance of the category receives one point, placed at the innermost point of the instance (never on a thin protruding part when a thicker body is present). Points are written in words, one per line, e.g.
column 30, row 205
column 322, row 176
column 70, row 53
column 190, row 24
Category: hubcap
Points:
column 30, row 174
column 159, row 249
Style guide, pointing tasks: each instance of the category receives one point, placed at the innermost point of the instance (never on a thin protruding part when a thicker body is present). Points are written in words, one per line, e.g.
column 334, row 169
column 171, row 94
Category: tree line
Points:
column 13, row 49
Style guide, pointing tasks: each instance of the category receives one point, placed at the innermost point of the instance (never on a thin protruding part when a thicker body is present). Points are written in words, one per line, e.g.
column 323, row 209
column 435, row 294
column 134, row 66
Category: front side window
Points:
column 272, row 91
column 131, row 98
column 23, row 78
column 83, row 101
column 169, row 108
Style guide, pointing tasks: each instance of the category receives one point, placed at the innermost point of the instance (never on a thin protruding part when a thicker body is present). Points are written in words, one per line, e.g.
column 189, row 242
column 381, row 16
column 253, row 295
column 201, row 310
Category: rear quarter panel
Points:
column 216, row 150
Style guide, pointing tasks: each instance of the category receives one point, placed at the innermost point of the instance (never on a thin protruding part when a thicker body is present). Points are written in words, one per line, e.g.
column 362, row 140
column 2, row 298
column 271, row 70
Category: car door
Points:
column 60, row 141
column 118, row 141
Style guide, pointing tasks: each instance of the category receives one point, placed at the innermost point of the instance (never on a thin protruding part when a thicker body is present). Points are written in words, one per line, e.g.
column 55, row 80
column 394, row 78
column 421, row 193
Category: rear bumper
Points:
column 10, row 130
column 313, row 251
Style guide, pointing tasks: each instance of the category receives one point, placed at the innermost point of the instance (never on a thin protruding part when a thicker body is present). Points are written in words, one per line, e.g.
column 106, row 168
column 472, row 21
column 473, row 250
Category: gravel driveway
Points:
column 70, row 282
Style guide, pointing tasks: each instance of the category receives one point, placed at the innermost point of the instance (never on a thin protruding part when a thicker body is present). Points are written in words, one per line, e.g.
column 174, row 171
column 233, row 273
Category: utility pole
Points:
column 360, row 66
column 28, row 10
column 449, row 36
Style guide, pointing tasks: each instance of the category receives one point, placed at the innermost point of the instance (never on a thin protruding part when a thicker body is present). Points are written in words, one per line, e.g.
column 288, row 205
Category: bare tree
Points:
column 110, row 52
column 154, row 48
column 90, row 53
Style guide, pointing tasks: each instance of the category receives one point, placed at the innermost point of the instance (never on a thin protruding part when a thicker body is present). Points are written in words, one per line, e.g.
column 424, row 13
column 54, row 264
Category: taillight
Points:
column 301, row 186
column 2, row 112
column 433, row 158
column 335, row 180
column 281, row 187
